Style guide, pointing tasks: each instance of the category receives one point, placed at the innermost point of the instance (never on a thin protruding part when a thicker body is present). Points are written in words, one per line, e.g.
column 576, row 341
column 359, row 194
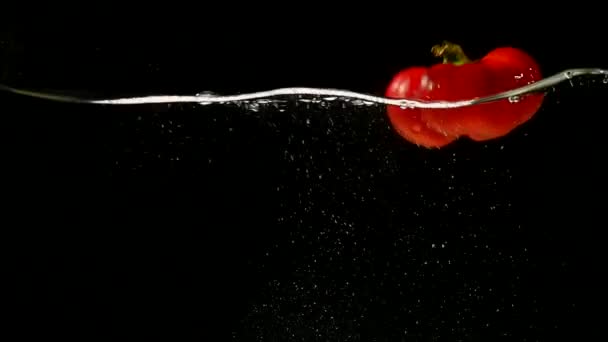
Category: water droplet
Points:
column 605, row 79
column 514, row 99
column 568, row 74
column 331, row 98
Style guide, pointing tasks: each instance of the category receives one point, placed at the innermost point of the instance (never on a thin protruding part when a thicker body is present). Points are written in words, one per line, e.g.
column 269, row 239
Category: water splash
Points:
column 321, row 94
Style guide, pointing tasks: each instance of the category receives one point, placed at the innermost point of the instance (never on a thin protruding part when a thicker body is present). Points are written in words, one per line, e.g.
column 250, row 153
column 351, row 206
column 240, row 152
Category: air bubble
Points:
column 405, row 105
column 252, row 106
column 255, row 107
column 206, row 94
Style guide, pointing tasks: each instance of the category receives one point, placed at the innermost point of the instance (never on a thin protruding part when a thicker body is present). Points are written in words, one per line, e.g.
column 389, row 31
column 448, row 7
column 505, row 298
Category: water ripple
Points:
column 328, row 93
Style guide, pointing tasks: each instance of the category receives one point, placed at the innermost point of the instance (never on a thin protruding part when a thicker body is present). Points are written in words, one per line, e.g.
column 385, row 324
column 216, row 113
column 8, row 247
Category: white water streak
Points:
column 322, row 92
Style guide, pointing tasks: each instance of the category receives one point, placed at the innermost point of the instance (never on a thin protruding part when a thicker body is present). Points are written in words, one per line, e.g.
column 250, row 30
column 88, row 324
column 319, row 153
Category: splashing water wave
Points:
column 327, row 94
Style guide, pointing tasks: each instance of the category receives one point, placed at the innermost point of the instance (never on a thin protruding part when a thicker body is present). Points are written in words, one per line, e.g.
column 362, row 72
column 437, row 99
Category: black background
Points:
column 219, row 223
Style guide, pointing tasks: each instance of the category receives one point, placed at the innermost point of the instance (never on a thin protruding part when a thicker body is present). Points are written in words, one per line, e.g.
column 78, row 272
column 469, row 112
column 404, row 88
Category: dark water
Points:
column 304, row 223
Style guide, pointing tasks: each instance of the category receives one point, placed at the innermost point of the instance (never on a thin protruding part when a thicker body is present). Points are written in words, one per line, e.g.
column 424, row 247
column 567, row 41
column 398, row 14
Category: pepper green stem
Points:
column 451, row 53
